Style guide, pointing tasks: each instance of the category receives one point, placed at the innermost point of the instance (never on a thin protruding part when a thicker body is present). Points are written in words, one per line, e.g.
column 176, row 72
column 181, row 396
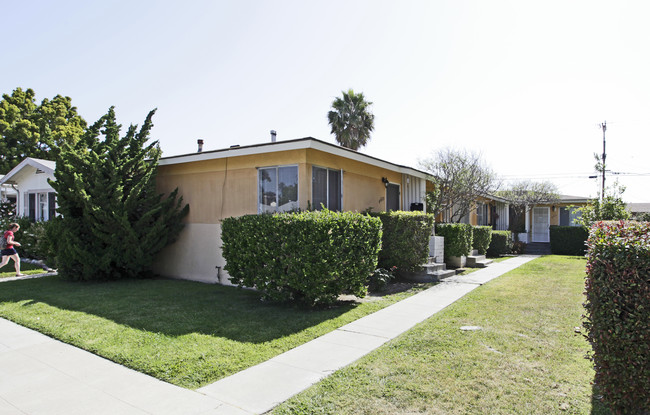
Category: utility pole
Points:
column 602, row 192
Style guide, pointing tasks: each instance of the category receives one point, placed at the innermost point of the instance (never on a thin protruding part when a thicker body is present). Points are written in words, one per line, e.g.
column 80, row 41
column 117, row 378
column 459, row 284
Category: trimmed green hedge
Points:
column 458, row 238
column 481, row 237
column 405, row 240
column 617, row 318
column 308, row 257
column 568, row 240
column 500, row 244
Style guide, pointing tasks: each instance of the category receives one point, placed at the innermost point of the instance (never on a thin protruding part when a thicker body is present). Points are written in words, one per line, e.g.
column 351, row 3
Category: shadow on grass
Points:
column 172, row 307
column 597, row 405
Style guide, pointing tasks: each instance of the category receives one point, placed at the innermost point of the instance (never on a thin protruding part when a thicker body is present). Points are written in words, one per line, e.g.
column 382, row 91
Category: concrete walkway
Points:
column 39, row 375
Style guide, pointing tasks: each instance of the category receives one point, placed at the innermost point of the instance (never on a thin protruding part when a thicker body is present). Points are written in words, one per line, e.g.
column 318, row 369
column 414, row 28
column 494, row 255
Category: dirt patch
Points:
column 392, row 288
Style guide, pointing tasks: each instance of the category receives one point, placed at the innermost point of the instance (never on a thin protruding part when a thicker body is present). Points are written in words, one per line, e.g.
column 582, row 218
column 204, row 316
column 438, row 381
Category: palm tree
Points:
column 351, row 120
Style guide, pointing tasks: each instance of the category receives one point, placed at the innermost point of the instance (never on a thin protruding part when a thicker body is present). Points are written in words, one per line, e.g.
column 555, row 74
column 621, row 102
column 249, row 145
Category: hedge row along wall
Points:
column 309, row 257
column 405, row 241
column 481, row 237
column 617, row 319
column 568, row 240
column 458, row 238
column 500, row 244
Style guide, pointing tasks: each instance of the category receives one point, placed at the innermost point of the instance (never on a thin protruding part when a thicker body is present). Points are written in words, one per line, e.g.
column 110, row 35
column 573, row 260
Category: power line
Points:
column 550, row 176
column 630, row 174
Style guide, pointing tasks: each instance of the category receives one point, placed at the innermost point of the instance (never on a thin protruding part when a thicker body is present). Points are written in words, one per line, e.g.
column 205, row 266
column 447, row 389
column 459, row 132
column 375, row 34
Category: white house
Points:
column 35, row 198
column 7, row 192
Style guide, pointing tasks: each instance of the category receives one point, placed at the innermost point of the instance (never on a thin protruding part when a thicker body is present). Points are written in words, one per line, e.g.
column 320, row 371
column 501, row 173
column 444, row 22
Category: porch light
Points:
column 384, row 181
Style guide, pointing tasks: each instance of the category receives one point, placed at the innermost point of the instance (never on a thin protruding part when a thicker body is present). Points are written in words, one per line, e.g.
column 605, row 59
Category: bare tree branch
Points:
column 461, row 177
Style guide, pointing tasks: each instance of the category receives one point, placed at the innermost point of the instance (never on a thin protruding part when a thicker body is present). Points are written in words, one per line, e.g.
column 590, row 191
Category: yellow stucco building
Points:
column 273, row 177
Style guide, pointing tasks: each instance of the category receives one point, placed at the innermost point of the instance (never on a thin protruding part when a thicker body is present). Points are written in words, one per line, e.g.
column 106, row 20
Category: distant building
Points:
column 637, row 209
column 34, row 196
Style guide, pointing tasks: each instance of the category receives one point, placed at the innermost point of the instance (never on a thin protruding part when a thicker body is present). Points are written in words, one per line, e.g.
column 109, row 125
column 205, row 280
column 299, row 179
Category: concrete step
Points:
column 538, row 248
column 441, row 275
column 432, row 267
column 434, row 260
column 439, row 270
column 432, row 272
column 478, row 261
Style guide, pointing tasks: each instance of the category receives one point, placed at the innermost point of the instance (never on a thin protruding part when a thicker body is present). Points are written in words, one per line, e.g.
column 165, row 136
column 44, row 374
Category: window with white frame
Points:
column 277, row 189
column 40, row 206
column 326, row 188
column 569, row 215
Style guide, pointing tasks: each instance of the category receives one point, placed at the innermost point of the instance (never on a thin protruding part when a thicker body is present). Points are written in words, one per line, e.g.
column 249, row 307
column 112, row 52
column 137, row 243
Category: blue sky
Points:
column 524, row 83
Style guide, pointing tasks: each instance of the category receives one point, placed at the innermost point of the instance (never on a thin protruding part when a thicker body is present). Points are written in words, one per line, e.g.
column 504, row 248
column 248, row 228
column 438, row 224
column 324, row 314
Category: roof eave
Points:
column 39, row 164
column 296, row 144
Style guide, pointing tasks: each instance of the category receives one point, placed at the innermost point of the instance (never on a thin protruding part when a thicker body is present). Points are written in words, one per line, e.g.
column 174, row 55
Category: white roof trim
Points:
column 47, row 166
column 299, row 144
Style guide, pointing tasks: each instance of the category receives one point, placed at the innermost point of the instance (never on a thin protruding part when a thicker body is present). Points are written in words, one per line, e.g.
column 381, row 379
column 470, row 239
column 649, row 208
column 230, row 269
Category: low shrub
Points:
column 7, row 210
column 617, row 318
column 405, row 239
column 481, row 237
column 500, row 244
column 378, row 281
column 37, row 239
column 458, row 238
column 568, row 240
column 518, row 247
column 307, row 257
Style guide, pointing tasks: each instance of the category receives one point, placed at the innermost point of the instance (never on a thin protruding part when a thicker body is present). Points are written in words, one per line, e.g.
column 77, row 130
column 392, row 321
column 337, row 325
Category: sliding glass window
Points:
column 326, row 188
column 277, row 189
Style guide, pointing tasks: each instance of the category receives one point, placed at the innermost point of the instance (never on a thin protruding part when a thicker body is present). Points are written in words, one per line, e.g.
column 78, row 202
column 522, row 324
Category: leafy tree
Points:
column 608, row 207
column 524, row 195
column 351, row 120
column 461, row 177
column 31, row 130
column 113, row 219
column 58, row 122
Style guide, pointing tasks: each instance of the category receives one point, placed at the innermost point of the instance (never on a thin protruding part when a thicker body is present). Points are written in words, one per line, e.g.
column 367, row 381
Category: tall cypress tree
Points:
column 113, row 220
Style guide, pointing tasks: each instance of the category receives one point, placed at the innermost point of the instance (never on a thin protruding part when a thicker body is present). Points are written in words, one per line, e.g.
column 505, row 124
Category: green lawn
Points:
column 186, row 333
column 527, row 359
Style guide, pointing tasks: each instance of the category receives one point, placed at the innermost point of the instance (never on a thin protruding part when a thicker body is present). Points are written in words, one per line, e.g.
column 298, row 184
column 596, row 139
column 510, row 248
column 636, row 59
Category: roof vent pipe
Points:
column 200, row 143
column 273, row 136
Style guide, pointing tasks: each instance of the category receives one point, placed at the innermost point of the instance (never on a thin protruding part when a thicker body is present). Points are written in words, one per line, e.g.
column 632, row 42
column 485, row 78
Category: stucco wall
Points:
column 194, row 256
column 222, row 188
column 216, row 189
column 362, row 185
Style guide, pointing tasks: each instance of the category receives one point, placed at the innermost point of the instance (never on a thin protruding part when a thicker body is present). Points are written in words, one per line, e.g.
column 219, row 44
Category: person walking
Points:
column 10, row 252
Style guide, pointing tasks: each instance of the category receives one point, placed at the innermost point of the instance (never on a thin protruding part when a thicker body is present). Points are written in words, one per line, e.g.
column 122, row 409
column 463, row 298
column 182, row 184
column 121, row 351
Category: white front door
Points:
column 541, row 224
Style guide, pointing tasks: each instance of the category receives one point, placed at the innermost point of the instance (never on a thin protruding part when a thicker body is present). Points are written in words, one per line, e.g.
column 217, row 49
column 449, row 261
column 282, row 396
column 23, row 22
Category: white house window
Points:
column 568, row 216
column 277, row 189
column 326, row 188
column 40, row 206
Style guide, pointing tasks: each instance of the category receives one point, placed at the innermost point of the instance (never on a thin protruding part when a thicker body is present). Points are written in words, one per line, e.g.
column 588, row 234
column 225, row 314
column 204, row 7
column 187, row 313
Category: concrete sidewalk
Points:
column 39, row 375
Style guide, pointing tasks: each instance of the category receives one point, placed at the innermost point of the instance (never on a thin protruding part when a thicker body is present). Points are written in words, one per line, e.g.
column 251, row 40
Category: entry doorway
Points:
column 541, row 224
column 392, row 197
